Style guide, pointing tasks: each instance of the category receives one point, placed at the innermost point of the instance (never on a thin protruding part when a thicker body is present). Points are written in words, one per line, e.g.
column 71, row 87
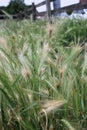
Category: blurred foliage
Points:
column 14, row 7
column 73, row 30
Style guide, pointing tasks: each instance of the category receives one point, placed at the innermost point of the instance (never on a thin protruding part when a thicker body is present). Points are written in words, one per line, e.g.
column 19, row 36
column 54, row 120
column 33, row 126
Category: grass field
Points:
column 43, row 75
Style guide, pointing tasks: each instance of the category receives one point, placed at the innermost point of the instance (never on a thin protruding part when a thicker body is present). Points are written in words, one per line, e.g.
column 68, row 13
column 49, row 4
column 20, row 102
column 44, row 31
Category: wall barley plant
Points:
column 43, row 83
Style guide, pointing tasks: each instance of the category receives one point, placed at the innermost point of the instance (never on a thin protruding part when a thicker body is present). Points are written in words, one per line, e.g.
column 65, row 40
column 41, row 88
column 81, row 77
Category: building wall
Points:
column 82, row 1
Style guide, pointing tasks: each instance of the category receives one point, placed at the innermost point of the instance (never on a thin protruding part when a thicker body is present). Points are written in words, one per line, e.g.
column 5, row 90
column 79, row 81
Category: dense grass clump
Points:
column 71, row 31
column 43, row 75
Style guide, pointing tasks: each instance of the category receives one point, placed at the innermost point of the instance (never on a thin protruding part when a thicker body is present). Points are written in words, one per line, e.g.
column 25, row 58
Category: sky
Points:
column 43, row 8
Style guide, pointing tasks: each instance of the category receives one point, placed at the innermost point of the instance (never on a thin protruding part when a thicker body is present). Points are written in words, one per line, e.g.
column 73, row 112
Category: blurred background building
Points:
column 56, row 5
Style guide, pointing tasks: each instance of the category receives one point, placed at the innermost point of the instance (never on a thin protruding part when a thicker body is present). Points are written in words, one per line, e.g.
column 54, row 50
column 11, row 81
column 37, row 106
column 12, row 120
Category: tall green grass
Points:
column 43, row 75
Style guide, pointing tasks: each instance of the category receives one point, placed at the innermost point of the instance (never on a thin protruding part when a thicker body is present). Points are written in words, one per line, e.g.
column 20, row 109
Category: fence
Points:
column 25, row 14
column 81, row 5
